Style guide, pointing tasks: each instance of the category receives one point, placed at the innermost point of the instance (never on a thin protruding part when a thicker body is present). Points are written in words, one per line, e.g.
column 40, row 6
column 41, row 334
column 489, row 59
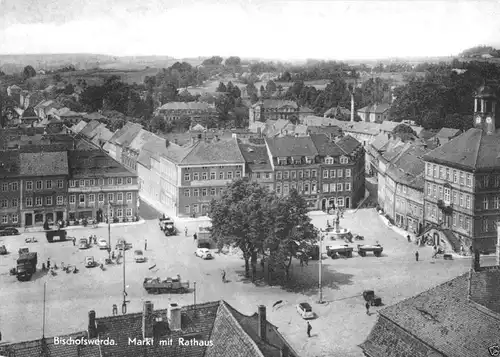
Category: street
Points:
column 341, row 325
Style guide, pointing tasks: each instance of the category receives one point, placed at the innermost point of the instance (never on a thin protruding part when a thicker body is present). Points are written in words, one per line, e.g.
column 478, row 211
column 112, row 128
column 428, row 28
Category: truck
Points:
column 204, row 237
column 168, row 285
column 376, row 249
column 26, row 265
column 343, row 250
column 167, row 226
column 56, row 235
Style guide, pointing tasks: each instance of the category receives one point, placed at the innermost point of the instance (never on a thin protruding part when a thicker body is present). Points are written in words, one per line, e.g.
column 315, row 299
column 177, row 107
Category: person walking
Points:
column 416, row 256
column 74, row 241
column 48, row 263
column 186, row 231
column 223, row 276
column 145, row 244
column 367, row 305
column 409, row 239
column 195, row 236
column 309, row 328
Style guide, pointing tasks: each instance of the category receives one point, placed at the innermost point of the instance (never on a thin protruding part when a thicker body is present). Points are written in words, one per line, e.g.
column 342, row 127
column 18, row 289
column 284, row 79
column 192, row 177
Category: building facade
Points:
column 273, row 109
column 130, row 153
column 342, row 179
column 462, row 180
column 100, row 187
column 43, row 187
column 375, row 113
column 10, row 180
column 258, row 166
column 197, row 112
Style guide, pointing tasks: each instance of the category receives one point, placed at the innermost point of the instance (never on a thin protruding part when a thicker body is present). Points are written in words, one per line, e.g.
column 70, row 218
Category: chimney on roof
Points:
column 174, row 317
column 92, row 329
column 262, row 322
column 147, row 320
column 285, row 351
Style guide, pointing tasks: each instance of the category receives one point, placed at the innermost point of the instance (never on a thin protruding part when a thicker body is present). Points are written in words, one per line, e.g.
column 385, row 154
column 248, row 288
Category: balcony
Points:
column 446, row 207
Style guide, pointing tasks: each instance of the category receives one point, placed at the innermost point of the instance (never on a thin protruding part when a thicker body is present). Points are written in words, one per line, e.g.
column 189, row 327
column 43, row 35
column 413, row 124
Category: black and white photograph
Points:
column 249, row 178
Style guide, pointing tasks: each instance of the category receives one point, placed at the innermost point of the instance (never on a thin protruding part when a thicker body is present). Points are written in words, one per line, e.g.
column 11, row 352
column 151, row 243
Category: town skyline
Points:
column 257, row 29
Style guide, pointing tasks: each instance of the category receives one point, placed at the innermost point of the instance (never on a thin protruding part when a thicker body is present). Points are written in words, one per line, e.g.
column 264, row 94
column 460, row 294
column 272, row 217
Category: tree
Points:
column 69, row 89
column 233, row 61
column 92, row 98
column 29, row 72
column 224, row 104
column 214, row 60
column 271, row 87
column 251, row 89
column 240, row 218
column 168, row 92
column 286, row 76
column 221, row 88
column 404, row 132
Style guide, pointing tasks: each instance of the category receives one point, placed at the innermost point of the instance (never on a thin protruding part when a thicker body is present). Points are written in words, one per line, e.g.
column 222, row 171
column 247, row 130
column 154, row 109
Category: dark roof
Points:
column 408, row 167
column 95, row 163
column 375, row 108
column 256, row 157
column 331, row 130
column 485, row 289
column 132, row 129
column 442, row 318
column 348, row 144
column 232, row 333
column 155, row 146
column 291, row 146
column 473, row 150
column 44, row 163
column 119, row 133
column 276, row 103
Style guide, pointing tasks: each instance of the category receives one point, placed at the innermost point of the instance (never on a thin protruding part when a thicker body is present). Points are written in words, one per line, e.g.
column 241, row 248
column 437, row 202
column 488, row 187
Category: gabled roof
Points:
column 255, row 156
column 305, row 110
column 408, row 168
column 87, row 130
column 93, row 116
column 473, row 150
column 150, row 149
column 441, row 318
column 102, row 135
column 185, row 106
column 447, row 133
column 291, row 146
column 142, row 138
column 319, row 121
column 92, row 162
column 125, row 131
column 9, row 163
column 276, row 103
column 44, row 163
column 79, row 127
column 329, row 130
column 215, row 152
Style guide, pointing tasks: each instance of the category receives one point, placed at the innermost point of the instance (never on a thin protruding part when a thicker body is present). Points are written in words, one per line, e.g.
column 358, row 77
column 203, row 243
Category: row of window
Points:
column 266, row 175
column 213, row 176
column 336, row 187
column 38, row 201
column 14, row 218
column 450, row 196
column 196, row 208
column 450, row 175
column 458, row 220
column 203, row 191
column 336, row 173
column 38, row 185
column 100, row 198
column 280, row 175
column 12, row 186
column 294, row 161
column 100, row 182
column 4, row 203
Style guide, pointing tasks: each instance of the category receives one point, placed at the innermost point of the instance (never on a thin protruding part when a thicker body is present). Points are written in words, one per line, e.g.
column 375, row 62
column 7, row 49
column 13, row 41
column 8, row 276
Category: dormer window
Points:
column 308, row 160
column 344, row 160
column 281, row 160
column 329, row 160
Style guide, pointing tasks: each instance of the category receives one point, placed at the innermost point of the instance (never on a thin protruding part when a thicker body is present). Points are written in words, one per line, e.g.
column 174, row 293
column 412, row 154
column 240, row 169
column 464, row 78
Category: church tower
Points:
column 484, row 110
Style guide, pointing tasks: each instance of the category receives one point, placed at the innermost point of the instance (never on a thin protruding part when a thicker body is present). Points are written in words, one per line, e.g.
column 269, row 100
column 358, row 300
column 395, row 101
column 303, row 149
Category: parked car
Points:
column 204, row 253
column 9, row 231
column 102, row 243
column 3, row 250
column 83, row 243
column 139, row 256
column 305, row 310
column 90, row 262
column 123, row 244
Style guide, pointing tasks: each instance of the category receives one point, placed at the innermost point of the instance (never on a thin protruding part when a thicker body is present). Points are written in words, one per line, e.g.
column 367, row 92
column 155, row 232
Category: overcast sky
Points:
column 272, row 29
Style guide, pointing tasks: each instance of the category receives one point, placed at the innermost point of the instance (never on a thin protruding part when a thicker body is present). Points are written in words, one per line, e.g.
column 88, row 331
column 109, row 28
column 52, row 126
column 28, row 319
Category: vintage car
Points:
column 305, row 310
column 204, row 253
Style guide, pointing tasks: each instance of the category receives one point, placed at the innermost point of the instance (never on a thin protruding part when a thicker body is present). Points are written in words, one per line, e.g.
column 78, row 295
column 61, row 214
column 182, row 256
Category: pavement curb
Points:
column 90, row 226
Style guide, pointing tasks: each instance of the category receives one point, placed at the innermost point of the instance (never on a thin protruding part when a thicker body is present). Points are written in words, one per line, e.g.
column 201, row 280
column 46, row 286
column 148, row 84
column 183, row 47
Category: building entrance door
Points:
column 59, row 215
column 347, row 202
column 28, row 219
column 323, row 204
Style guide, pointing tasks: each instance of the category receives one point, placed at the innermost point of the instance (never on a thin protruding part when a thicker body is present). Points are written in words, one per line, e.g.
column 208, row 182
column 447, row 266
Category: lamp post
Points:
column 109, row 231
column 125, row 301
column 320, row 285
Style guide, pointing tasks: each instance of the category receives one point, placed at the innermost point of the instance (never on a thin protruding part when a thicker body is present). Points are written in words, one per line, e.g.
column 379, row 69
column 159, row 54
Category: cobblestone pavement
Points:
column 341, row 324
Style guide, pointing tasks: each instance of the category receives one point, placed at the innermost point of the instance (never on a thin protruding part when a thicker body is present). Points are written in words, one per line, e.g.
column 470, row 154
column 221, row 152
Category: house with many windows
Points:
column 121, row 138
column 462, row 181
column 342, row 178
column 191, row 176
column 43, row 187
column 257, row 164
column 130, row 152
column 10, row 188
column 99, row 186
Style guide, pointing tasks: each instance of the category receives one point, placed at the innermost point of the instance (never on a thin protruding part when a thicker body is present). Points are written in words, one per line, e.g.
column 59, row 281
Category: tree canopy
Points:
column 249, row 217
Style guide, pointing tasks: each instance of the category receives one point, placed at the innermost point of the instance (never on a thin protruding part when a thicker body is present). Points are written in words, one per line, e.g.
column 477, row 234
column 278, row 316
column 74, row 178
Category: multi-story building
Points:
column 99, row 186
column 258, row 166
column 9, row 188
column 375, row 113
column 197, row 112
column 43, row 187
column 273, row 109
column 130, row 153
column 121, row 138
column 342, row 171
column 191, row 176
column 296, row 166
column 462, row 182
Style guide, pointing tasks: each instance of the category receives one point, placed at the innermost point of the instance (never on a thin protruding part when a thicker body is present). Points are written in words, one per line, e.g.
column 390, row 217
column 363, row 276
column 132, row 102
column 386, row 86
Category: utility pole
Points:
column 320, row 285
column 124, row 305
column 194, row 287
column 109, row 232
column 43, row 322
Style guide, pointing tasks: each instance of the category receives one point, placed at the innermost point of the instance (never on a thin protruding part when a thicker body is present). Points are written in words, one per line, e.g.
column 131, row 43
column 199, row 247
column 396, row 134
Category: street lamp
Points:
column 320, row 285
column 125, row 301
column 109, row 231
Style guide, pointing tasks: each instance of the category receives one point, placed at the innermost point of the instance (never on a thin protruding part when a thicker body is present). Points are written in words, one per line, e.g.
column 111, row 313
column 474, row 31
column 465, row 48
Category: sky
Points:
column 295, row 29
